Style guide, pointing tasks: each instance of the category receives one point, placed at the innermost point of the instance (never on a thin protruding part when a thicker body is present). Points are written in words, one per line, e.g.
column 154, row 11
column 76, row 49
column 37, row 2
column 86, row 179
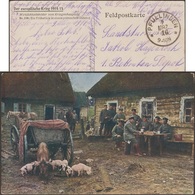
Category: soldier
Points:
column 166, row 129
column 117, row 133
column 129, row 137
column 155, row 140
column 119, row 115
column 136, row 118
column 61, row 115
column 104, row 115
column 155, row 126
column 111, row 123
column 74, row 120
column 145, row 124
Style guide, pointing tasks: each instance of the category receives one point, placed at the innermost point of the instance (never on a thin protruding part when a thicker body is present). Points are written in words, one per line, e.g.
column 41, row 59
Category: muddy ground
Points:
column 168, row 174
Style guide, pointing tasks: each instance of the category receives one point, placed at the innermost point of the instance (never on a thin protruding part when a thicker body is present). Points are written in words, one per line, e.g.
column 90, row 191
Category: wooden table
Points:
column 149, row 136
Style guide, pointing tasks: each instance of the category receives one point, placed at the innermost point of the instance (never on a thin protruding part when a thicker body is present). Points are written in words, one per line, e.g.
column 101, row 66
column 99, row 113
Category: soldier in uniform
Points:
column 61, row 115
column 156, row 124
column 117, row 133
column 119, row 115
column 111, row 123
column 145, row 124
column 129, row 137
column 104, row 119
column 136, row 118
column 166, row 129
column 155, row 140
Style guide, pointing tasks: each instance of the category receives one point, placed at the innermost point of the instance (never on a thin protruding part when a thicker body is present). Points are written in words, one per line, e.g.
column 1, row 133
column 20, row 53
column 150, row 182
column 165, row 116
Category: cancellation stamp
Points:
column 163, row 28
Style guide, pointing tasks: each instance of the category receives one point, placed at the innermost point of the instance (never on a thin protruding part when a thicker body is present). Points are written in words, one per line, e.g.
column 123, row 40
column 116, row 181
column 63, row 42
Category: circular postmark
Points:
column 163, row 28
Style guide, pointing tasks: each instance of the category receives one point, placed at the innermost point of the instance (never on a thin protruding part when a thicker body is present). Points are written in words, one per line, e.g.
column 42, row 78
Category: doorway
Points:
column 49, row 112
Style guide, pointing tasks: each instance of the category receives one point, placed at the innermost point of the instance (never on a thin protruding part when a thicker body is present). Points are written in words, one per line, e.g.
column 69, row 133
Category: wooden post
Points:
column 192, row 150
column 82, row 129
column 149, row 145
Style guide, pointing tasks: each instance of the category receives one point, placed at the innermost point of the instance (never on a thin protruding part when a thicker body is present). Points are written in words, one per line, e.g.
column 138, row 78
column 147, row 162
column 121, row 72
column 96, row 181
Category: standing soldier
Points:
column 111, row 123
column 74, row 120
column 129, row 137
column 119, row 115
column 103, row 119
column 61, row 115
column 136, row 118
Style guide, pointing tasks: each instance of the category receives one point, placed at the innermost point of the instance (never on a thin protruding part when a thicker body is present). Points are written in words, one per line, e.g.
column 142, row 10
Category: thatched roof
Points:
column 114, row 83
column 37, row 86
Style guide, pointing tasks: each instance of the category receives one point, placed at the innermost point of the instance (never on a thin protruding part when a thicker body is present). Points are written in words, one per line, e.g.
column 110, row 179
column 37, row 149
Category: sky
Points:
column 82, row 82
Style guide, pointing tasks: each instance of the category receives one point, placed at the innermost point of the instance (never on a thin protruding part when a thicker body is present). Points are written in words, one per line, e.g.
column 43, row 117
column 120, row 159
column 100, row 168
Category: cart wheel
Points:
column 25, row 150
column 14, row 134
column 68, row 148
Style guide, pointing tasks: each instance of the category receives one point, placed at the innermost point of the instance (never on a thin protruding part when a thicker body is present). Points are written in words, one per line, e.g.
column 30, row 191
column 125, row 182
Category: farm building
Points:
column 42, row 93
column 168, row 95
column 81, row 104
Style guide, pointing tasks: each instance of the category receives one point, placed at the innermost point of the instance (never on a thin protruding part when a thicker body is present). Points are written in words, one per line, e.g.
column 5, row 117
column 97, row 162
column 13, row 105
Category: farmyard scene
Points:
column 97, row 133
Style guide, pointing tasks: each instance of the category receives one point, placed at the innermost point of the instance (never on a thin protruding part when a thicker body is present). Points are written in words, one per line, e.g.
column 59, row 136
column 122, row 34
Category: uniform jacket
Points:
column 129, row 130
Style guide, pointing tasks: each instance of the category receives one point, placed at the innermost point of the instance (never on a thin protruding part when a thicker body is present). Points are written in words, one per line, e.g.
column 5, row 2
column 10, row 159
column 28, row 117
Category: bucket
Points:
column 178, row 137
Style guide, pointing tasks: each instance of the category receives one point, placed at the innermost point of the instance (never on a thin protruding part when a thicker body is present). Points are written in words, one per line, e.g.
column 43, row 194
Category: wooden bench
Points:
column 185, row 141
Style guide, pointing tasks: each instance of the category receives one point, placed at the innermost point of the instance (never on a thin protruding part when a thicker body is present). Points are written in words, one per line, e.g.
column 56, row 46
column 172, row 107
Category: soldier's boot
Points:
column 137, row 150
column 100, row 132
column 127, row 149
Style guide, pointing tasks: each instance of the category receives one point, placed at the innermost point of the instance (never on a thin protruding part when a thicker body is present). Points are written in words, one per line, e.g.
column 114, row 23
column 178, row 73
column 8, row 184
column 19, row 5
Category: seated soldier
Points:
column 166, row 129
column 156, row 124
column 145, row 124
column 155, row 127
column 117, row 133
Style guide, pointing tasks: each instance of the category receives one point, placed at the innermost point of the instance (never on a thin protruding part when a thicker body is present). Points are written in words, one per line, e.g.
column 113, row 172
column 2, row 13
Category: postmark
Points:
column 163, row 28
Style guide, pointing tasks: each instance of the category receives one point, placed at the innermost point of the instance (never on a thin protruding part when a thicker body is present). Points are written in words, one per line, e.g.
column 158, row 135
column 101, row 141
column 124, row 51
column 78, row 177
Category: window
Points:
column 22, row 107
column 49, row 111
column 148, row 107
column 2, row 107
column 187, row 109
column 113, row 103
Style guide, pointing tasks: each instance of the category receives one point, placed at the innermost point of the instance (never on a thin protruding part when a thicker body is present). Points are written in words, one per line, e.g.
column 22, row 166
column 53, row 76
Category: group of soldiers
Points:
column 70, row 116
column 115, row 124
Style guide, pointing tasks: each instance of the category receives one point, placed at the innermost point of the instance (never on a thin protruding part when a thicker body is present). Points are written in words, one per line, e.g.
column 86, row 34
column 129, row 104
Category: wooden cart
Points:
column 27, row 135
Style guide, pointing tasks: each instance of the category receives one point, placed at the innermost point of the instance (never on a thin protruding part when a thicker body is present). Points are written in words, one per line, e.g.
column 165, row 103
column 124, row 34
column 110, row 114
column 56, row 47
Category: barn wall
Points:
column 167, row 105
column 37, row 107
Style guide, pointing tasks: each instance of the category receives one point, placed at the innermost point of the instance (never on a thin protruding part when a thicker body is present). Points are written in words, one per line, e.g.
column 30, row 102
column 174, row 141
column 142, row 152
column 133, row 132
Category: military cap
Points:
column 131, row 117
column 133, row 109
column 157, row 117
column 166, row 119
column 120, row 108
column 120, row 120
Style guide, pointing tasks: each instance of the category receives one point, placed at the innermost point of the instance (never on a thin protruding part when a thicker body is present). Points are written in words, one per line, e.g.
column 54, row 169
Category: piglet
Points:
column 81, row 169
column 29, row 168
column 60, row 164
column 69, row 171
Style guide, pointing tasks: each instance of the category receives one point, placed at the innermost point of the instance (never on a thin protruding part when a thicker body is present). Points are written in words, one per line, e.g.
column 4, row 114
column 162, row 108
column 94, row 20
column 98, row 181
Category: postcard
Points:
column 97, row 36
